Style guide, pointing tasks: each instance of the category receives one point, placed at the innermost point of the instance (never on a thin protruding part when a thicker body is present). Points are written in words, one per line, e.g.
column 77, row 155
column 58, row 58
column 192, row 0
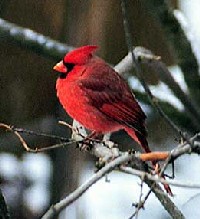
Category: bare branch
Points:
column 40, row 134
column 125, row 158
column 175, row 183
column 39, row 149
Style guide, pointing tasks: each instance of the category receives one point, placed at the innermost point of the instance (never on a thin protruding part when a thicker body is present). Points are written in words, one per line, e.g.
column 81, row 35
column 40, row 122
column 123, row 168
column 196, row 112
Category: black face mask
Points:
column 69, row 67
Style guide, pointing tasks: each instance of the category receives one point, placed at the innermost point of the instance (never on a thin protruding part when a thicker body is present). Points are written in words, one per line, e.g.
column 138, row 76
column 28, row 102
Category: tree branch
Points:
column 157, row 179
column 117, row 162
column 28, row 39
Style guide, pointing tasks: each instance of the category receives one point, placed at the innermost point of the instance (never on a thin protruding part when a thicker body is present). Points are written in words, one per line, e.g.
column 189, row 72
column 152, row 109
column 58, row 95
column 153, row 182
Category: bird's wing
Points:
column 114, row 99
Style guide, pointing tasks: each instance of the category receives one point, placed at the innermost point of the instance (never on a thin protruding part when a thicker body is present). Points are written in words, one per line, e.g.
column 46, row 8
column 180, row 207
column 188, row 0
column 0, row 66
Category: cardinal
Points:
column 95, row 95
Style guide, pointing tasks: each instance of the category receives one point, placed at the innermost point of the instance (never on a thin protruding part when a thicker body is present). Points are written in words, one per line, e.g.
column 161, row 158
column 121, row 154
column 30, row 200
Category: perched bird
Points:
column 95, row 95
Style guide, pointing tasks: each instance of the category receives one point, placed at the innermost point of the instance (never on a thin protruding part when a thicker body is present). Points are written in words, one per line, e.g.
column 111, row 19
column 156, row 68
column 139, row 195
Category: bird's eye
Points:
column 69, row 66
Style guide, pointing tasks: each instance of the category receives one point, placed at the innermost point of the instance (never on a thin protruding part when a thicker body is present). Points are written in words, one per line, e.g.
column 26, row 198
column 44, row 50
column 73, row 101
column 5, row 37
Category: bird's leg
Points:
column 88, row 141
column 157, row 171
column 95, row 136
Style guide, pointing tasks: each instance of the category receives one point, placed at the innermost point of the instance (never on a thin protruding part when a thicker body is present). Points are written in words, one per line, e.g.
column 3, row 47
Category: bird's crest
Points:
column 80, row 55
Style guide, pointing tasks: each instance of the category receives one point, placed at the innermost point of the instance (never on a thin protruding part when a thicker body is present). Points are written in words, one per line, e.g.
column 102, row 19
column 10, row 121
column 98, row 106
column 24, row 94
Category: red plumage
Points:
column 95, row 95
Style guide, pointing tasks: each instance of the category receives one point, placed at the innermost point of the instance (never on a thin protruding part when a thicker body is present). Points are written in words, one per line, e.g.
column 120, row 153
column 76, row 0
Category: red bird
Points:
column 95, row 95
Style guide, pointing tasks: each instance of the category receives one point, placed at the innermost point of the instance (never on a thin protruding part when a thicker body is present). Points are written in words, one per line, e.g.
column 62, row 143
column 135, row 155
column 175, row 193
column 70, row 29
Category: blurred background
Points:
column 32, row 182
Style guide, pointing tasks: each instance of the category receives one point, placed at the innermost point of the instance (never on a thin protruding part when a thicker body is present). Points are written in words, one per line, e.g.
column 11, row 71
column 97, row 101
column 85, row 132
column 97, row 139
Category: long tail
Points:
column 139, row 138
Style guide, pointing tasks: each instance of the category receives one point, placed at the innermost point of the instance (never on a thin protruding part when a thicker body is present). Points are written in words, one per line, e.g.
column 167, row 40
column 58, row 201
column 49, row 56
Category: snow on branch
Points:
column 31, row 40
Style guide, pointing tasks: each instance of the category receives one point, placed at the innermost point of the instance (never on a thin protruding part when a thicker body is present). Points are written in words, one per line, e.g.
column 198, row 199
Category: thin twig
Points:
column 24, row 144
column 175, row 183
column 37, row 149
column 30, row 132
column 65, row 141
column 140, row 203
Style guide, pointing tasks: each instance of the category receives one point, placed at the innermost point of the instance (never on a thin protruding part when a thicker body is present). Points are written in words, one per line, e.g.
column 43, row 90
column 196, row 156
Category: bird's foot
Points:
column 99, row 164
column 157, row 171
column 85, row 145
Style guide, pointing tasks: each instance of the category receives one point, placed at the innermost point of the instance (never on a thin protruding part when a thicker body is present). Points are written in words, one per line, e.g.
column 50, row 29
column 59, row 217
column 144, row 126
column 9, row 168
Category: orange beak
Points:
column 60, row 67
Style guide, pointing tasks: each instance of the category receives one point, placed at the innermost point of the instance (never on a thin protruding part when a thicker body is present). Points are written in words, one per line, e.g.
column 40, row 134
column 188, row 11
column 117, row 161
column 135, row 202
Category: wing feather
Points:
column 112, row 96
